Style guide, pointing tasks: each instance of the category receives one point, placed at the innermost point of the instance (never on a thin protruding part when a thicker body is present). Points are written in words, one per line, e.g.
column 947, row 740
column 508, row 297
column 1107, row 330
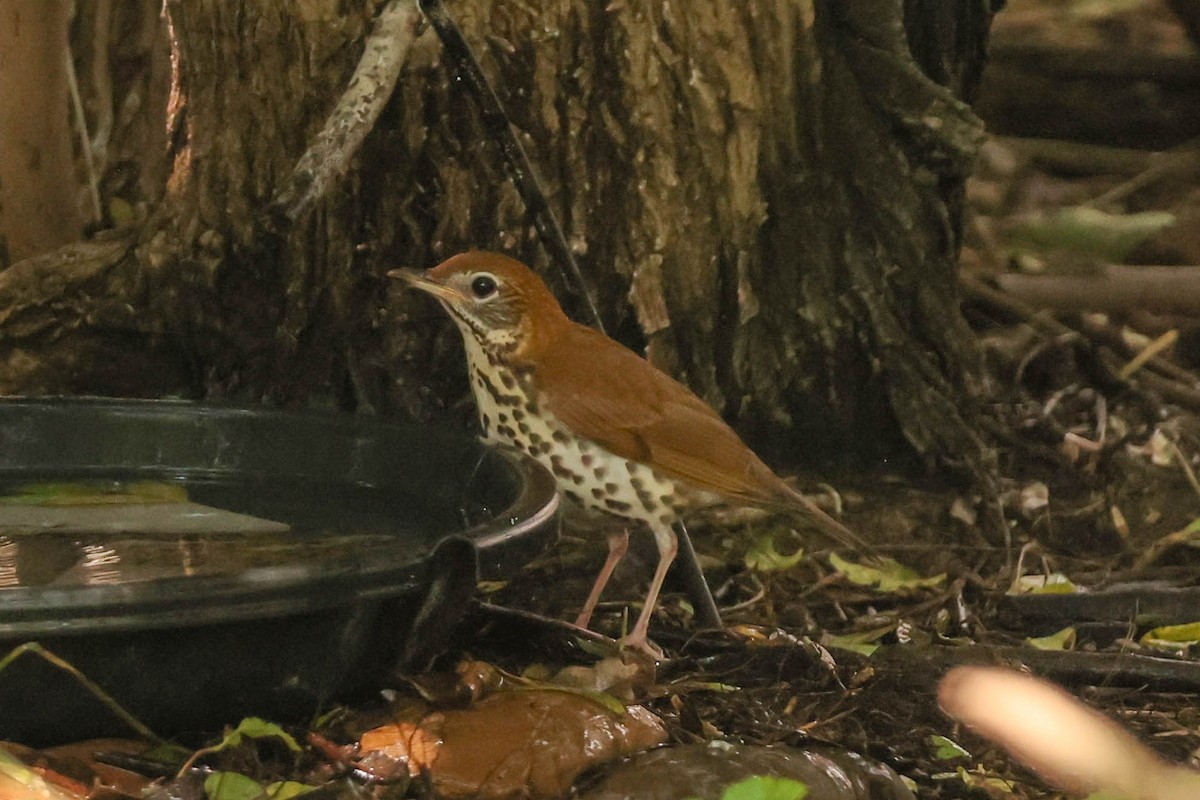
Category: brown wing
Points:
column 609, row 395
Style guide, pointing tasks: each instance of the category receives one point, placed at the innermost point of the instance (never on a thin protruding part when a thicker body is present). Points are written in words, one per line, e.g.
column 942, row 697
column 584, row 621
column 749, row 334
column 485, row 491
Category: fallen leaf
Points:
column 533, row 743
column 885, row 574
column 947, row 749
column 410, row 744
column 1089, row 231
column 763, row 556
column 1061, row 640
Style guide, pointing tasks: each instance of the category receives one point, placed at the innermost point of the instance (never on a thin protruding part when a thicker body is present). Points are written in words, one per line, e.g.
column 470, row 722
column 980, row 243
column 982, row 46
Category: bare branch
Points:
column 355, row 114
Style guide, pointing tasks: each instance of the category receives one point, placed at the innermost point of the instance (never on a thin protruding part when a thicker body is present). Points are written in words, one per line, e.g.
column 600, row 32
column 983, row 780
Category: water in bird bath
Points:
column 56, row 531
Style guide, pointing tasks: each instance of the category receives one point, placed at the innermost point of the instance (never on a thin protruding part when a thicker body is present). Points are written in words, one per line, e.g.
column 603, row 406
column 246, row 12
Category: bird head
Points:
column 496, row 300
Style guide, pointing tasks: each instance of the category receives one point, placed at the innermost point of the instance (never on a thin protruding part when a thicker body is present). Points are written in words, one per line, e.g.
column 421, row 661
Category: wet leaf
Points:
column 885, row 574
column 532, row 743
column 1090, row 231
column 17, row 780
column 947, row 749
column 409, row 744
column 765, row 557
column 103, row 779
column 1061, row 640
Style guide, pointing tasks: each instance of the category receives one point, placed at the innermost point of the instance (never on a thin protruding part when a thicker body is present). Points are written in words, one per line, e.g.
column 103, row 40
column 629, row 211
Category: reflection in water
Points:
column 245, row 526
column 101, row 564
column 193, row 555
column 8, row 563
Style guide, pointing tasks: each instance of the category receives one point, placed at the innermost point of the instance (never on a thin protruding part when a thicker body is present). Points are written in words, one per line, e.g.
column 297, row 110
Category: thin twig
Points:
column 85, row 141
column 498, row 126
column 367, row 92
column 1148, row 352
column 101, row 74
column 1188, row 472
column 92, row 687
column 1170, row 163
column 1112, row 287
column 1166, row 379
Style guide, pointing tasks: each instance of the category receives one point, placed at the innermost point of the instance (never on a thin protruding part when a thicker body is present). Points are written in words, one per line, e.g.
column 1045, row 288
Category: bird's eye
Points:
column 483, row 286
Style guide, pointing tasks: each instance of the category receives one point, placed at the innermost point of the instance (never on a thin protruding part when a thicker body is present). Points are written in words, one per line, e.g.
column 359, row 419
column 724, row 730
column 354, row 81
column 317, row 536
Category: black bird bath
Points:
column 204, row 563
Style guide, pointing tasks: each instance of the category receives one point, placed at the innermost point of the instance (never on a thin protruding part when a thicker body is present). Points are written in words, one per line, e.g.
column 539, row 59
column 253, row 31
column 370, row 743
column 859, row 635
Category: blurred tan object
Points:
column 1071, row 745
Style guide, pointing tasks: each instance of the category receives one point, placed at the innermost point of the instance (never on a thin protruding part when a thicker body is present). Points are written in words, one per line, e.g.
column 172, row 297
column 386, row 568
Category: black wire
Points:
column 497, row 124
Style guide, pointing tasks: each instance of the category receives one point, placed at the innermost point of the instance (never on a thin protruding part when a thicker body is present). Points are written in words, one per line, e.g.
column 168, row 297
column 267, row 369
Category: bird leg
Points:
column 618, row 543
column 668, row 546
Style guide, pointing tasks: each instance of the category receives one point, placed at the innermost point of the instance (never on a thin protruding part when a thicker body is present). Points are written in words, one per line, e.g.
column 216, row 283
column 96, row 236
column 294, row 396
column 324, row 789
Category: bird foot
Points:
column 642, row 645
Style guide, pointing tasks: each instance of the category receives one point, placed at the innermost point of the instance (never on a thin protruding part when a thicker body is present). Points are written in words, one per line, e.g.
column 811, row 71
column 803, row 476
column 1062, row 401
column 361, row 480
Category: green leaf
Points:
column 861, row 642
column 848, row 643
column 947, row 749
column 83, row 493
column 1089, row 231
column 1173, row 638
column 285, row 790
column 236, row 786
column 765, row 787
column 171, row 755
column 1054, row 583
column 231, row 786
column 994, row 785
column 1187, row 632
column 764, row 557
column 255, row 728
column 886, row 574
column 1062, row 640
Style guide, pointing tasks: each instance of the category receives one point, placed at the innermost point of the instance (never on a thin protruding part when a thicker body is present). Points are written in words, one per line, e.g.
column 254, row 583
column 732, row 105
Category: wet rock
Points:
column 704, row 771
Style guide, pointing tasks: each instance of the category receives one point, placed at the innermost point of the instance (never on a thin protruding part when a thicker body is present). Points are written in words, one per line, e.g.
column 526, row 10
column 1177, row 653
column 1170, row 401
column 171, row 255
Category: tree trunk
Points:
column 766, row 197
column 38, row 191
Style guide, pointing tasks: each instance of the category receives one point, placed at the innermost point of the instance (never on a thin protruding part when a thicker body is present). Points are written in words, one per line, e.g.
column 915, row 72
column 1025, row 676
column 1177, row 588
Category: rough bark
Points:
column 766, row 196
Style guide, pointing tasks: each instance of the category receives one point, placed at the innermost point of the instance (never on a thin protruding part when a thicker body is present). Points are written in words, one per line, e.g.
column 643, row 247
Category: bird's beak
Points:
column 421, row 281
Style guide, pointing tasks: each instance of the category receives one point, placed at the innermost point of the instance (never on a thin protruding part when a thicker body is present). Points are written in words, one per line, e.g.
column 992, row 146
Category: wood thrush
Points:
column 623, row 439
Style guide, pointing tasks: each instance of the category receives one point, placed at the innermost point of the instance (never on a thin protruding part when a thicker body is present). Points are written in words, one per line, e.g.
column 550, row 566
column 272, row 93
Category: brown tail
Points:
column 802, row 507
